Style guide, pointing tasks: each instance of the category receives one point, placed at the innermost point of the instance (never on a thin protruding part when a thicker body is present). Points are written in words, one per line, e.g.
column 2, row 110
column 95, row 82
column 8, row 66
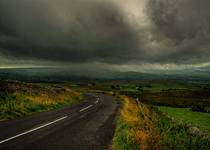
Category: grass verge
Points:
column 145, row 128
column 18, row 104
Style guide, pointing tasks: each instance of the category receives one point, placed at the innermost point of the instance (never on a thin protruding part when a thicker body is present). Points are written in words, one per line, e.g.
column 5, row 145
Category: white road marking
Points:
column 83, row 109
column 32, row 130
column 96, row 102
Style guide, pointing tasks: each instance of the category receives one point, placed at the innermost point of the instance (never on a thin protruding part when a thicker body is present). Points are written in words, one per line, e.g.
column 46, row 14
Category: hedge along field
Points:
column 144, row 127
column 18, row 103
column 199, row 119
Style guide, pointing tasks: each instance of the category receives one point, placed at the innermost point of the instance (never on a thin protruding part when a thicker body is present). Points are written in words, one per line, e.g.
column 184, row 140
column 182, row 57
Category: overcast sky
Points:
column 130, row 35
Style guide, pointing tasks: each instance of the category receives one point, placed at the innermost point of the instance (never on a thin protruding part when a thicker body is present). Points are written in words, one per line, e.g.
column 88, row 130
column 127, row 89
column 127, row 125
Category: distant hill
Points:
column 58, row 75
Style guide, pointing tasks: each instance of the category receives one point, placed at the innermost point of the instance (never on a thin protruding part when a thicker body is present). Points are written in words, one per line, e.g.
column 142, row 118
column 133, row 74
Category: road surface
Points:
column 88, row 125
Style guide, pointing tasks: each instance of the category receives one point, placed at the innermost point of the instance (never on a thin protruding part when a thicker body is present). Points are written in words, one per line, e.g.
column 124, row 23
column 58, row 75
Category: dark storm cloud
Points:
column 65, row 30
column 183, row 27
column 79, row 31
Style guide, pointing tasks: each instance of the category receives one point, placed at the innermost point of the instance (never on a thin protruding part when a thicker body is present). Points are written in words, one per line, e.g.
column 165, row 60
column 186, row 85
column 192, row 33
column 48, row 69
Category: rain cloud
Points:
column 113, row 32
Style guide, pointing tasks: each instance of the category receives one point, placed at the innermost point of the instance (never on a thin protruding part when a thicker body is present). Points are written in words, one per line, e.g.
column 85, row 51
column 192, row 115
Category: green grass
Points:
column 122, row 140
column 14, row 105
column 176, row 136
column 199, row 119
column 144, row 127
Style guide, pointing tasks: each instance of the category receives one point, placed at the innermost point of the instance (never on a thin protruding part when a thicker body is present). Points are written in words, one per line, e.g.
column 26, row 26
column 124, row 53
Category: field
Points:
column 19, row 99
column 182, row 94
column 199, row 119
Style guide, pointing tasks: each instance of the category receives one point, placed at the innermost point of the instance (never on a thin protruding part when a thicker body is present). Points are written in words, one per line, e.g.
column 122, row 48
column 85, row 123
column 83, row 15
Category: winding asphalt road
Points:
column 88, row 125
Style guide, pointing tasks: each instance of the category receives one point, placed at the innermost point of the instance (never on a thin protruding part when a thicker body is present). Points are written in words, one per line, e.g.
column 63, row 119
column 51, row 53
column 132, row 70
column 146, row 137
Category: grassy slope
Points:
column 142, row 127
column 18, row 104
column 201, row 120
column 136, row 128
